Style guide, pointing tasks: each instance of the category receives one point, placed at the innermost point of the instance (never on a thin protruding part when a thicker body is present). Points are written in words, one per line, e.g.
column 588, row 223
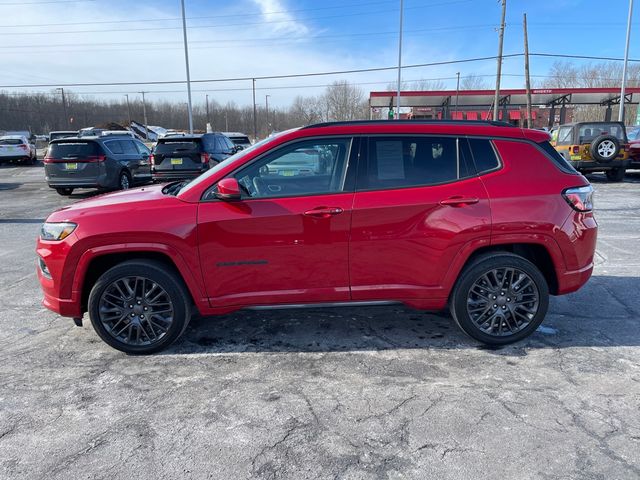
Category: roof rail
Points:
column 413, row 122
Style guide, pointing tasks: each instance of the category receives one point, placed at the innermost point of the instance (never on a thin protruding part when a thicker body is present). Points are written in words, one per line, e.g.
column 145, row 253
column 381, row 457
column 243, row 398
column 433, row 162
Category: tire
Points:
column 615, row 174
column 605, row 148
column 64, row 191
column 129, row 327
column 471, row 311
column 124, row 181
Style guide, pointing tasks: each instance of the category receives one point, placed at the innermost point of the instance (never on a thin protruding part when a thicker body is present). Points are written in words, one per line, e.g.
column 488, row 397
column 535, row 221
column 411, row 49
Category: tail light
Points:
column 48, row 159
column 24, row 147
column 204, row 157
column 152, row 159
column 575, row 149
column 96, row 158
column 580, row 198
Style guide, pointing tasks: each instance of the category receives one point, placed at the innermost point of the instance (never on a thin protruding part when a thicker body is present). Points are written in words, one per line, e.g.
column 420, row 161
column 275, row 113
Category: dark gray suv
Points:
column 109, row 162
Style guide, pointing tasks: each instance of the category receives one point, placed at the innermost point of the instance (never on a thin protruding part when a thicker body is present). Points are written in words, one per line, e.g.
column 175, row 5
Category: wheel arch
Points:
column 94, row 263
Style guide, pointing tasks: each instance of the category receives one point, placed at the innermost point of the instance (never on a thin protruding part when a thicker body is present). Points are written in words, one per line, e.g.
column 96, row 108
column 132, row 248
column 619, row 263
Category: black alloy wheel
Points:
column 500, row 298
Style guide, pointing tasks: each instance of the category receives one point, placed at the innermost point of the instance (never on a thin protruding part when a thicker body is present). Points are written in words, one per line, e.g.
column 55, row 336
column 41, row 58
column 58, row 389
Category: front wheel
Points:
column 615, row 174
column 139, row 307
column 499, row 299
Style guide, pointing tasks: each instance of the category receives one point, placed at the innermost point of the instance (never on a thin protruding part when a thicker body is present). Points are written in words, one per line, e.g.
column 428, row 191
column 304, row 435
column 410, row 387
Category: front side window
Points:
column 397, row 162
column 305, row 168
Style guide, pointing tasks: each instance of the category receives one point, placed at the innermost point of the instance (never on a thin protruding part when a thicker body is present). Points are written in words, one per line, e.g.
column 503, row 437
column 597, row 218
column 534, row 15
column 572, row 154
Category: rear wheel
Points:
column 139, row 307
column 124, row 181
column 499, row 299
column 64, row 191
column 615, row 174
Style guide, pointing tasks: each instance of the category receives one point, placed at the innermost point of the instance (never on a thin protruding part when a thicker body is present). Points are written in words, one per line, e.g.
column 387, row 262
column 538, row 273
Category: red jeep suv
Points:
column 480, row 216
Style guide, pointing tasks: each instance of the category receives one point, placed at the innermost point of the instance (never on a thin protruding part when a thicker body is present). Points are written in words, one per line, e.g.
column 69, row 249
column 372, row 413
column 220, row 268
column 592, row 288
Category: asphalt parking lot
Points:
column 369, row 393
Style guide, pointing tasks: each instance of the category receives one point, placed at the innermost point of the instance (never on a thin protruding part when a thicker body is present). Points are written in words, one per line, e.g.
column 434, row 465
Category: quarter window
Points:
column 396, row 162
column 305, row 168
column 484, row 156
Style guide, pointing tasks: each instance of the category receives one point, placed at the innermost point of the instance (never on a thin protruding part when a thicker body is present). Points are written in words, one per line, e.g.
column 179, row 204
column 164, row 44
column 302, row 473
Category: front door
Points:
column 286, row 241
column 417, row 203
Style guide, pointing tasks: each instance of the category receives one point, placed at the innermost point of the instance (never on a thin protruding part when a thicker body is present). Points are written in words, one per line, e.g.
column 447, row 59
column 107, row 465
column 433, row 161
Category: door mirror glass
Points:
column 228, row 189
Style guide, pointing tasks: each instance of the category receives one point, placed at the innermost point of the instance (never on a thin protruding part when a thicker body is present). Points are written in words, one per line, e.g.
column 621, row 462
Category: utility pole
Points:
column 457, row 91
column 399, row 61
column 64, row 107
column 186, row 61
column 624, row 68
column 144, row 113
column 208, row 119
column 266, row 101
column 226, row 121
column 496, row 100
column 526, row 72
column 255, row 121
column 128, row 107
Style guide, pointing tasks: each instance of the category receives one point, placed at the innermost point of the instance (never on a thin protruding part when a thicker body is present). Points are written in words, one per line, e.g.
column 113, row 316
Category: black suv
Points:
column 179, row 157
column 109, row 162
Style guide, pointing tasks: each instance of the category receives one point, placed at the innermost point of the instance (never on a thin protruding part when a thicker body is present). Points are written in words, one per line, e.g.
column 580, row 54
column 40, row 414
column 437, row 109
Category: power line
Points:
column 340, row 6
column 45, row 2
column 263, row 77
column 192, row 27
column 259, row 40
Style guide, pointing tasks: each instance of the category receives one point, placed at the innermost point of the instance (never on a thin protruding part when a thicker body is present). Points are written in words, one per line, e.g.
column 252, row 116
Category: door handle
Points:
column 459, row 201
column 323, row 212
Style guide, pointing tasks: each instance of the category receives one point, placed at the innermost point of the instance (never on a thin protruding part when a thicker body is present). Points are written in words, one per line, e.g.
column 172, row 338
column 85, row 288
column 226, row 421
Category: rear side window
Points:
column 484, row 155
column 114, row 147
column 183, row 146
column 73, row 149
column 558, row 159
column 129, row 147
column 397, row 162
column 565, row 135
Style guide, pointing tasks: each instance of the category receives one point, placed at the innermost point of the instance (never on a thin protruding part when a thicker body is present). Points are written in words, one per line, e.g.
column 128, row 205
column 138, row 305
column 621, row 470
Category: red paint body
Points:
column 406, row 244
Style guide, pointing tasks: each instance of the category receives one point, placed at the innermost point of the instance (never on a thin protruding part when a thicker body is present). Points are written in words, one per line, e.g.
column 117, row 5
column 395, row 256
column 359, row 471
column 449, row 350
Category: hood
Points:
column 125, row 200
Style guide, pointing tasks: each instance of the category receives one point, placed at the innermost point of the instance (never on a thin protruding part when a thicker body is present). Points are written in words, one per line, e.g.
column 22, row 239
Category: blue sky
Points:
column 245, row 38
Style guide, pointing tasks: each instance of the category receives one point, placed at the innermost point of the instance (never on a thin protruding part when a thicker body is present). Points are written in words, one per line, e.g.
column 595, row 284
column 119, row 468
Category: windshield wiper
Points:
column 174, row 187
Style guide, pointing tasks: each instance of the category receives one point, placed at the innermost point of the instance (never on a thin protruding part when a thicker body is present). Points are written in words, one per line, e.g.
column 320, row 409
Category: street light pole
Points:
column 64, row 107
column 624, row 67
column 399, row 62
column 186, row 60
column 255, row 121
column 496, row 99
column 266, row 101
column 144, row 113
column 457, row 91
column 128, row 107
column 208, row 119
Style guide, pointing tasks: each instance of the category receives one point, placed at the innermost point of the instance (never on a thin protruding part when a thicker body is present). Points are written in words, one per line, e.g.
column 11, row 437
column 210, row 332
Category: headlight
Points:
column 56, row 231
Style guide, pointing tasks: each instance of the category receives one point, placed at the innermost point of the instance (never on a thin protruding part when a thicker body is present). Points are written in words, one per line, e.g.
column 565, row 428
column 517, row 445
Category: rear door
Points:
column 417, row 203
column 179, row 155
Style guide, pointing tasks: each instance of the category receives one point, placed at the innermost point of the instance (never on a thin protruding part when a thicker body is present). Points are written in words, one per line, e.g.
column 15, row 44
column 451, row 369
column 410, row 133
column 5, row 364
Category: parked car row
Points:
column 116, row 160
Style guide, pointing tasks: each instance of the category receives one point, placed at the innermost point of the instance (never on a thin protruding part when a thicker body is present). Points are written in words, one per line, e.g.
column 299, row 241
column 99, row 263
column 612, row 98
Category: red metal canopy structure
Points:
column 478, row 104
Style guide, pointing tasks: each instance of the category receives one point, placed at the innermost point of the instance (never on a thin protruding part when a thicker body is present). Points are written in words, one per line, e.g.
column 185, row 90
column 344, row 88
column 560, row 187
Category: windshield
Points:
column 232, row 159
column 634, row 134
column 240, row 140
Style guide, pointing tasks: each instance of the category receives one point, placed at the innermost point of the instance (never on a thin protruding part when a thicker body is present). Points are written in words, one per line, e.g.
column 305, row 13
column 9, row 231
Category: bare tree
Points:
column 343, row 101
column 473, row 82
